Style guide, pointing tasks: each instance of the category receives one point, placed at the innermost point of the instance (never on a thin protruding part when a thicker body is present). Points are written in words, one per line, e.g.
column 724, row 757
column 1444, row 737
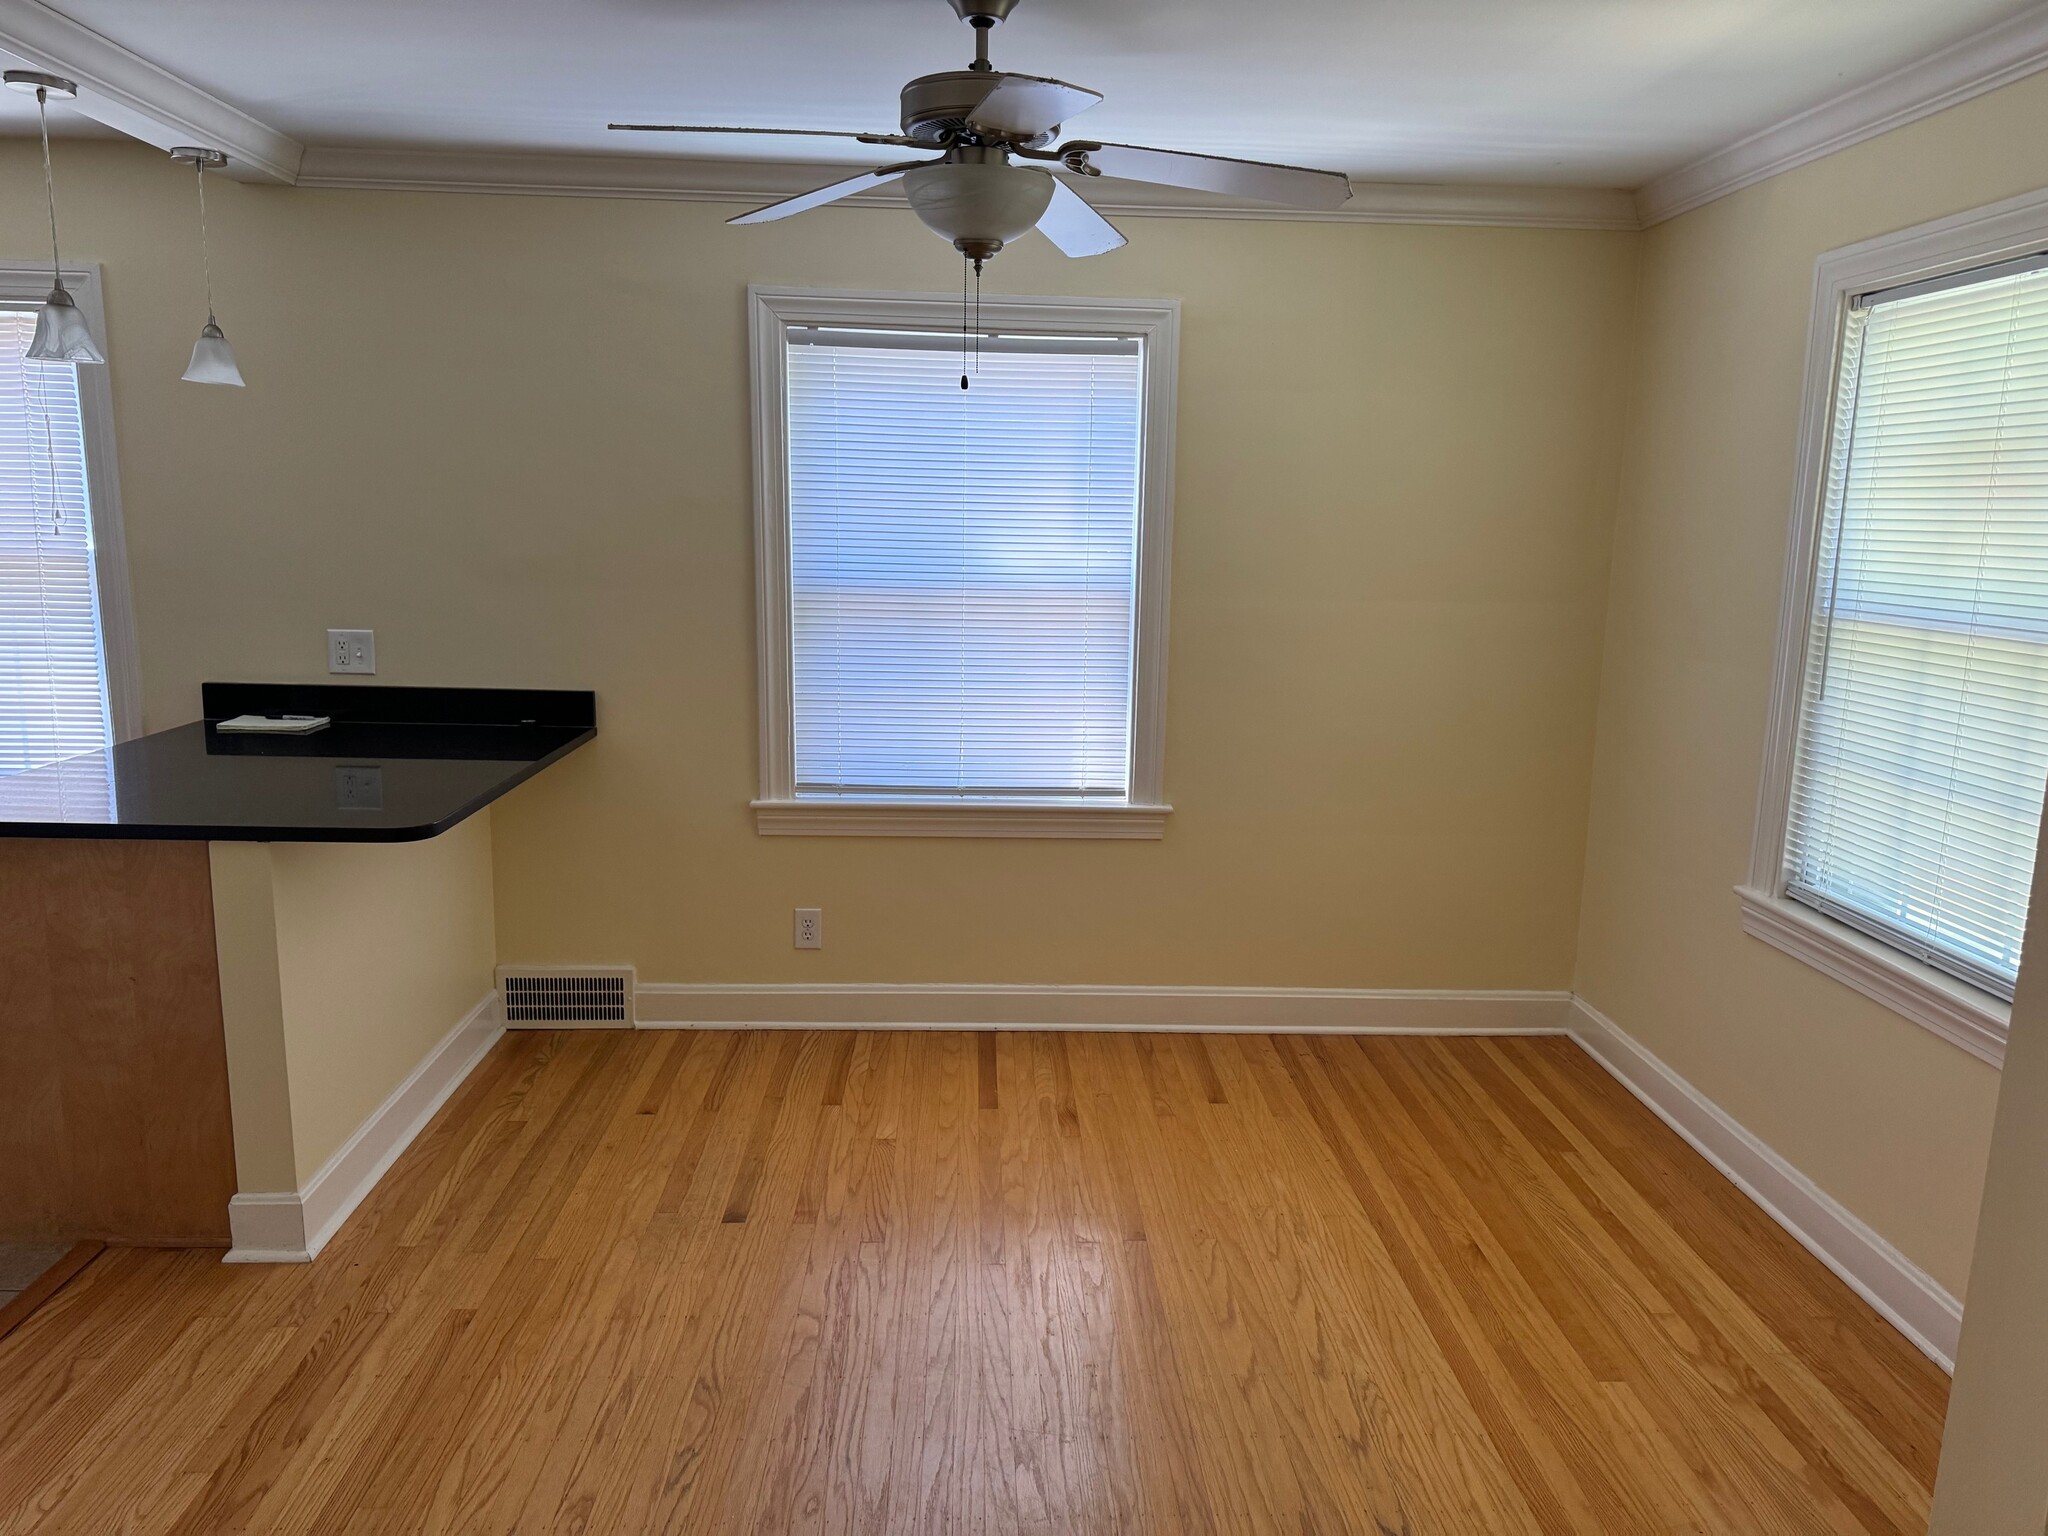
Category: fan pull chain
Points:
column 970, row 331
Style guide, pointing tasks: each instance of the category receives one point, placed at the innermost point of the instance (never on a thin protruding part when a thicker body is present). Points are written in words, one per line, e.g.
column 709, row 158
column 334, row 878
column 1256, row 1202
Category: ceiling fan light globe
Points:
column 213, row 360
column 62, row 335
column 979, row 208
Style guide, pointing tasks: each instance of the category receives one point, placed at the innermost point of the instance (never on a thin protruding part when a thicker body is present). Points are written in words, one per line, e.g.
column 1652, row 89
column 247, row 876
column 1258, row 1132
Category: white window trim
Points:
column 1966, row 1015
column 778, row 811
column 27, row 283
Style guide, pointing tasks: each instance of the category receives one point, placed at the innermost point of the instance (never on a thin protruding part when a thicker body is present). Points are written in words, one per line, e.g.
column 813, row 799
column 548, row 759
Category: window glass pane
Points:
column 1924, row 740
column 963, row 568
column 53, row 696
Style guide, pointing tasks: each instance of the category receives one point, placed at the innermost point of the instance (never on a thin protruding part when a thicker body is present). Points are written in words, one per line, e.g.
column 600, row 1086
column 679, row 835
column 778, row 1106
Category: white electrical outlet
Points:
column 810, row 928
column 352, row 650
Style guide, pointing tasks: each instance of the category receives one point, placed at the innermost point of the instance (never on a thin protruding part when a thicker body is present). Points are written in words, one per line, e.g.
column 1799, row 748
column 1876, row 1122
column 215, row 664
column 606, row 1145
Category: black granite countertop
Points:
column 397, row 765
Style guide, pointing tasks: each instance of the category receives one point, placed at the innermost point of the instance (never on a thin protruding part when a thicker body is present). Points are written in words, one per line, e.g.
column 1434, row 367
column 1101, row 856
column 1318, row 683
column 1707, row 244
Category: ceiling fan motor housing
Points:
column 979, row 205
column 936, row 107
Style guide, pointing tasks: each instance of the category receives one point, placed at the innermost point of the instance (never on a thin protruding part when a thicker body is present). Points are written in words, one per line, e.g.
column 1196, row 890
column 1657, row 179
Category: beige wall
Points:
column 252, row 1017
column 384, row 949
column 511, row 435
column 342, row 965
column 1882, row 1114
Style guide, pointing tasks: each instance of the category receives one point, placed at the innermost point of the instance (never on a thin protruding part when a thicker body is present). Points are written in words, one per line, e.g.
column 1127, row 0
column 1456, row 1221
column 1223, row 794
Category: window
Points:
column 1903, row 796
column 962, row 591
column 1923, row 752
column 60, row 560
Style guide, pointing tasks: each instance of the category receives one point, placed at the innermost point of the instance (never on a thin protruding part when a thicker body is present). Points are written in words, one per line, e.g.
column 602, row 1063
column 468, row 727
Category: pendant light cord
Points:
column 205, row 250
column 49, row 184
column 57, row 283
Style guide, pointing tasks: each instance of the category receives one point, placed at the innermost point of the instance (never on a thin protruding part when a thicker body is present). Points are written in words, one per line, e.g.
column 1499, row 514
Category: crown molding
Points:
column 737, row 181
column 1999, row 55
column 133, row 96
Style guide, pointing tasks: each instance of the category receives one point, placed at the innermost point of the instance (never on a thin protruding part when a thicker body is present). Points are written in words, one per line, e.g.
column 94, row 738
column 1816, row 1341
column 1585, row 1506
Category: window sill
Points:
column 1953, row 1009
column 947, row 818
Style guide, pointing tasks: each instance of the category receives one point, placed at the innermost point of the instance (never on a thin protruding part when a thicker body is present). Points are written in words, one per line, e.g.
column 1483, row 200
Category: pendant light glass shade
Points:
column 61, row 333
column 213, row 360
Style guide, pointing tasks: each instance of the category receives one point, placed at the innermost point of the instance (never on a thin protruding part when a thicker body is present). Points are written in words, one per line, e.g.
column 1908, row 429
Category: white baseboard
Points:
column 292, row 1226
column 1909, row 1298
column 1243, row 1010
column 267, row 1229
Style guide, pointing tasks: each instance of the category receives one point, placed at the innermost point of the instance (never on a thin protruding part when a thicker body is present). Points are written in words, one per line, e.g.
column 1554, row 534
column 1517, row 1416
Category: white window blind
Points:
column 53, row 689
column 1923, row 748
column 963, row 565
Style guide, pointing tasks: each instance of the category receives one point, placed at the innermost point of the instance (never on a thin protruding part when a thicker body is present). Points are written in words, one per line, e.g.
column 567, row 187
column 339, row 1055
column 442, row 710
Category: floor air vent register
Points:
column 567, row 997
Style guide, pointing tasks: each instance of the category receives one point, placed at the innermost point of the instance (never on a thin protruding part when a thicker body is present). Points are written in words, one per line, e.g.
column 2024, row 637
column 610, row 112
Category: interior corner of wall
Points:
column 488, row 839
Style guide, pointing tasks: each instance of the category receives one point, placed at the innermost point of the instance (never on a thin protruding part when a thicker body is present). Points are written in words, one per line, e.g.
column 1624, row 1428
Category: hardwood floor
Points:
column 901, row 1282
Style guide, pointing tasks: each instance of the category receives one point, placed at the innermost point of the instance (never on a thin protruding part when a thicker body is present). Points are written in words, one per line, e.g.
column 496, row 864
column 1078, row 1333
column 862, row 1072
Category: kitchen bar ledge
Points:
column 397, row 765
column 215, row 965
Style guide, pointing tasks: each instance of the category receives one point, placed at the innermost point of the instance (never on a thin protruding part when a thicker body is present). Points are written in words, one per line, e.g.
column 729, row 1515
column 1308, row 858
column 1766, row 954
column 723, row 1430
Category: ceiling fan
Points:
column 981, row 120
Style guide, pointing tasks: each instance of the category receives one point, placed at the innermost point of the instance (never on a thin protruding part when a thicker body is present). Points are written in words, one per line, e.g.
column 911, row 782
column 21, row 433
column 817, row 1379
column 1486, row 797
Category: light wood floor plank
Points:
column 905, row 1282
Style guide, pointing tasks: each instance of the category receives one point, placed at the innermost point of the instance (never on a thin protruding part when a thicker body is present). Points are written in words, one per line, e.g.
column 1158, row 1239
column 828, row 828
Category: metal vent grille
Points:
column 558, row 998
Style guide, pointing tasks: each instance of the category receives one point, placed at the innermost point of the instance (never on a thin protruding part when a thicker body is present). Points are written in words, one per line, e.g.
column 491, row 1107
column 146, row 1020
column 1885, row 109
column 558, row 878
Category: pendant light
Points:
column 213, row 360
column 62, row 335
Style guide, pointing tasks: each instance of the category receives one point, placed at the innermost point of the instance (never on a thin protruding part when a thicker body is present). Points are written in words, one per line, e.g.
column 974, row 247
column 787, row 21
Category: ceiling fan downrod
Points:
column 984, row 16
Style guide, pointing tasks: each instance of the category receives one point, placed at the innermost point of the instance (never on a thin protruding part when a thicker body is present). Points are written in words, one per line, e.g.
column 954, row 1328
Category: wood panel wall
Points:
column 113, row 1073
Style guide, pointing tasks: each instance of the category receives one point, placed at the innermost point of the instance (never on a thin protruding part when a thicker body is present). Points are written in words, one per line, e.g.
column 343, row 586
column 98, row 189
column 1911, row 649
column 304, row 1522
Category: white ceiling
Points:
column 1571, row 92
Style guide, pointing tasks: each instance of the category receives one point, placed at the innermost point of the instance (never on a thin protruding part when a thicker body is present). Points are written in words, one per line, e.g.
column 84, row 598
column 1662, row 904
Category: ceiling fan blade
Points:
column 1024, row 106
column 1074, row 227
column 818, row 197
column 793, row 133
column 1292, row 184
